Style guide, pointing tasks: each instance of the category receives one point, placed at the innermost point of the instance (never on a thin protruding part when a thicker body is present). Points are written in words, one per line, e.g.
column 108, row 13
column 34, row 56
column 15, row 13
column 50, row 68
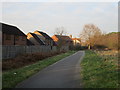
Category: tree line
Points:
column 94, row 38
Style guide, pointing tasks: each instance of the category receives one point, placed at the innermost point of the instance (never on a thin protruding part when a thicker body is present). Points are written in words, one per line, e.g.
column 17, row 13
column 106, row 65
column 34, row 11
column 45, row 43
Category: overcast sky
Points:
column 46, row 16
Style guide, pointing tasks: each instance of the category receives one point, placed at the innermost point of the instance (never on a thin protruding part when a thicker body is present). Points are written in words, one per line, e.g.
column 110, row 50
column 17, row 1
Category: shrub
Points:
column 99, row 47
column 78, row 47
column 26, row 59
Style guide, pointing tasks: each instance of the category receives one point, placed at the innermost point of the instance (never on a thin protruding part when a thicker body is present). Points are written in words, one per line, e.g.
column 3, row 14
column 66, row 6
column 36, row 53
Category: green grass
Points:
column 13, row 77
column 98, row 72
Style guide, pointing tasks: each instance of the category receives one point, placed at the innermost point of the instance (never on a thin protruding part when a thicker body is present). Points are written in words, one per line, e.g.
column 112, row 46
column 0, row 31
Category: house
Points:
column 11, row 35
column 45, row 37
column 29, row 43
column 62, row 40
column 76, row 41
column 33, row 38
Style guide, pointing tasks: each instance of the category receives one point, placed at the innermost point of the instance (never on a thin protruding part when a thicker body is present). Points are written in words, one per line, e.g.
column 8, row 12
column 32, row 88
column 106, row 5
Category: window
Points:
column 16, row 38
column 8, row 37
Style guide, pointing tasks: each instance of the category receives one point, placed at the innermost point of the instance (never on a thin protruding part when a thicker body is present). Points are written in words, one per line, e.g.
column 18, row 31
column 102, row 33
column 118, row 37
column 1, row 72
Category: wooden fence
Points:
column 13, row 51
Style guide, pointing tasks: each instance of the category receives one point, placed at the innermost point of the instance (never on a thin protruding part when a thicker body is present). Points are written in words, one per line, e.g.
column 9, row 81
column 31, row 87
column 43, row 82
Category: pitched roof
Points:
column 9, row 29
column 38, row 40
column 67, row 38
column 45, row 35
column 76, row 39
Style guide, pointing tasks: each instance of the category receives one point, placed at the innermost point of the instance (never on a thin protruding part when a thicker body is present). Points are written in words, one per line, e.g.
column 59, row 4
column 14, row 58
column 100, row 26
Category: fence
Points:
column 13, row 51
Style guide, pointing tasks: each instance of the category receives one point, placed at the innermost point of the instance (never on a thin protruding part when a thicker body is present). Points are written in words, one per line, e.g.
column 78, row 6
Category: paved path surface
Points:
column 63, row 74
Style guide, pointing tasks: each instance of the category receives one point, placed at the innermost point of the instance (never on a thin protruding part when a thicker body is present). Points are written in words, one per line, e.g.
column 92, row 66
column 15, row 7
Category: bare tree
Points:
column 90, row 34
column 60, row 31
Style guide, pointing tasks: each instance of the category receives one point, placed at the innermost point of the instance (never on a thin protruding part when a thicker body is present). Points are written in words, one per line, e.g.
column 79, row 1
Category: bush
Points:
column 110, row 41
column 99, row 47
column 78, row 47
column 83, row 48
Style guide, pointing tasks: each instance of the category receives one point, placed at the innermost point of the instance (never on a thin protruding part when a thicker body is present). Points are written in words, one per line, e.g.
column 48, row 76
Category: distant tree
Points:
column 109, row 41
column 60, row 31
column 90, row 34
column 112, row 40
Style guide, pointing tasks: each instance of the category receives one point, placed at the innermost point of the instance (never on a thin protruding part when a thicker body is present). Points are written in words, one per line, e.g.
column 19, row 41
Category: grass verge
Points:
column 99, row 72
column 13, row 77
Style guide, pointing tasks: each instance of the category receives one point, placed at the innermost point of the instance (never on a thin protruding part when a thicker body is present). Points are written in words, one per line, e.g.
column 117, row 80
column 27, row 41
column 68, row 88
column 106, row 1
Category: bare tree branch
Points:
column 60, row 31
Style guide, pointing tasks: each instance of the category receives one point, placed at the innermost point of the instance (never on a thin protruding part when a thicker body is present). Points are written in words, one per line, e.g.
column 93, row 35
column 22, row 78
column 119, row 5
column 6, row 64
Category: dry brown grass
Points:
column 109, row 52
column 110, row 56
column 26, row 59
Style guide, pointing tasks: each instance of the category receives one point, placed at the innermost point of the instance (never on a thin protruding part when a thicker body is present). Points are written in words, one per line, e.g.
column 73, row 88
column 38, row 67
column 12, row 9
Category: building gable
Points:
column 44, row 35
column 12, row 30
column 34, row 39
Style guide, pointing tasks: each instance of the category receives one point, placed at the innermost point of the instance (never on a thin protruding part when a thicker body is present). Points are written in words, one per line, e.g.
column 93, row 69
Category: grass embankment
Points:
column 99, row 70
column 13, row 77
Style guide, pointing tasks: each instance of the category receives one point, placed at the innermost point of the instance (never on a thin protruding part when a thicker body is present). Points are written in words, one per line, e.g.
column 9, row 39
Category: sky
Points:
column 47, row 16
